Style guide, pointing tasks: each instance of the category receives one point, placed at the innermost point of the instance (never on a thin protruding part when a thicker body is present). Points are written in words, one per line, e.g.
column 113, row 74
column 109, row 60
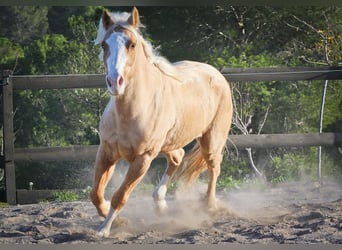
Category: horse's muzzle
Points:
column 115, row 85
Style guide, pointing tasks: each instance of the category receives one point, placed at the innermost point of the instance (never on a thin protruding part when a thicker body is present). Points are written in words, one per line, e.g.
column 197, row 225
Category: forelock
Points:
column 119, row 18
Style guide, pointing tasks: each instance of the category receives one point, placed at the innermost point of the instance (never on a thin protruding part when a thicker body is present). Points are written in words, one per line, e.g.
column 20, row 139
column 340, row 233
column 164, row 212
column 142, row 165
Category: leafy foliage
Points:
column 9, row 52
column 65, row 196
column 22, row 24
column 294, row 167
column 4, row 205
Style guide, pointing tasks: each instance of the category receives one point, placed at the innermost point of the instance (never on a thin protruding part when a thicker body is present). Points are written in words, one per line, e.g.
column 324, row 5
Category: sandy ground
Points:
column 289, row 213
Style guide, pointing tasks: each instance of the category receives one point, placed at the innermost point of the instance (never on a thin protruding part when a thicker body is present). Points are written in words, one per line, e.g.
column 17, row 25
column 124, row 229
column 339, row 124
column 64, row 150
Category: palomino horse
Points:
column 155, row 107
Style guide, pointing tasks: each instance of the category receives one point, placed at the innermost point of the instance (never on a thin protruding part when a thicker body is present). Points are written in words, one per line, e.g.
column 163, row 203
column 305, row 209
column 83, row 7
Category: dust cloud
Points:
column 188, row 211
column 185, row 211
column 301, row 212
column 265, row 203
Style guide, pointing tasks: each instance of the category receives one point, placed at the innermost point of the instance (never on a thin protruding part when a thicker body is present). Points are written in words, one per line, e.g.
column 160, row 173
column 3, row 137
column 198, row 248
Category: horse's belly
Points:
column 179, row 138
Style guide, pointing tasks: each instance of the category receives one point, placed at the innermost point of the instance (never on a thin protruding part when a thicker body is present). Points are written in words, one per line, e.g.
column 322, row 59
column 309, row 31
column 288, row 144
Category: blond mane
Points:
column 160, row 62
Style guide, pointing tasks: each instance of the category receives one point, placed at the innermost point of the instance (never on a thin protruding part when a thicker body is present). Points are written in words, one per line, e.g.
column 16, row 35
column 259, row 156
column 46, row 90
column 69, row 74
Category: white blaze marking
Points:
column 116, row 62
column 117, row 55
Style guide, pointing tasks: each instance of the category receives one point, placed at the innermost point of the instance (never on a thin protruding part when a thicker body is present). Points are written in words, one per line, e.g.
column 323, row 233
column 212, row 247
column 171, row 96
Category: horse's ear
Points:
column 134, row 19
column 107, row 20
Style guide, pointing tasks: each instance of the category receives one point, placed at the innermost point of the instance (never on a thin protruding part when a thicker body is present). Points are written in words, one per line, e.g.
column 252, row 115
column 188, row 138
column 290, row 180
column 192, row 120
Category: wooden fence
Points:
column 10, row 154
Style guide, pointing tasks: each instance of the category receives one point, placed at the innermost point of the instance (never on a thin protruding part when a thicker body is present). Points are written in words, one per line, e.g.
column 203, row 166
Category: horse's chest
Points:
column 132, row 135
column 127, row 139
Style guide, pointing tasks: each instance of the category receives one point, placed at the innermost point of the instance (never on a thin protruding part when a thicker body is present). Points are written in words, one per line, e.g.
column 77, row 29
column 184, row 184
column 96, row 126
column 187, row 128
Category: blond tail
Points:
column 192, row 166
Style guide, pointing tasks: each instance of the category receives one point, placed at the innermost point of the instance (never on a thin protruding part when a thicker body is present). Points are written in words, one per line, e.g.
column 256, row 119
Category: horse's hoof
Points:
column 213, row 208
column 161, row 207
column 104, row 230
column 103, row 233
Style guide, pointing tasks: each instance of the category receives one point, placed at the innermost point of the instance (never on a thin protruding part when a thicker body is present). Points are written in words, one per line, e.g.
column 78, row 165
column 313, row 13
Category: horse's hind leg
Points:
column 174, row 159
column 212, row 148
column 214, row 170
column 104, row 169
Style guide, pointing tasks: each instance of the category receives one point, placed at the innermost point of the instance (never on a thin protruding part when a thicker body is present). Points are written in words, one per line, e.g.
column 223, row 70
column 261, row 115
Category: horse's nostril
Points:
column 120, row 80
column 108, row 81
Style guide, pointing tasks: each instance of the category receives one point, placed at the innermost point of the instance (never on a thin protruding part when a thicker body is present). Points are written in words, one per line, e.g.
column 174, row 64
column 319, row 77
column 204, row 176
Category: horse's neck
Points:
column 140, row 91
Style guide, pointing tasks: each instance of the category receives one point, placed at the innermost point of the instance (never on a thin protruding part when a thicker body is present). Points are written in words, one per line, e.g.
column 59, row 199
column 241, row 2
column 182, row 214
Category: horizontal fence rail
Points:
column 232, row 74
column 58, row 81
column 282, row 74
column 74, row 153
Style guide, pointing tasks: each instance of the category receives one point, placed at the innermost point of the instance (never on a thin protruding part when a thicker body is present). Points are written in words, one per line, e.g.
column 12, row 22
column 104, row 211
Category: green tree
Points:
column 62, row 117
column 22, row 24
column 9, row 53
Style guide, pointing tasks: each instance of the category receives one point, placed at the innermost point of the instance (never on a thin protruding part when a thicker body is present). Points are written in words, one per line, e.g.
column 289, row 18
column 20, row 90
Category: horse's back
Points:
column 203, row 76
column 202, row 98
column 192, row 72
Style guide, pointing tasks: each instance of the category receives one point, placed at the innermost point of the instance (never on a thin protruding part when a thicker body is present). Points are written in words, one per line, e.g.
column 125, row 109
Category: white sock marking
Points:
column 159, row 194
column 160, row 191
column 104, row 229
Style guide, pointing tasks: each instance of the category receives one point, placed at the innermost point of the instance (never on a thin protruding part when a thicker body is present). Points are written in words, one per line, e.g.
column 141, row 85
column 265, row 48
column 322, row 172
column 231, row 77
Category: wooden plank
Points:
column 232, row 74
column 59, row 81
column 282, row 74
column 78, row 153
column 8, row 138
column 71, row 153
column 284, row 140
column 34, row 196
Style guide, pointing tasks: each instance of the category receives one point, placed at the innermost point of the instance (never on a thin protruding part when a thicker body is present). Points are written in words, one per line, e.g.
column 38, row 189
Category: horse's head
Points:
column 119, row 45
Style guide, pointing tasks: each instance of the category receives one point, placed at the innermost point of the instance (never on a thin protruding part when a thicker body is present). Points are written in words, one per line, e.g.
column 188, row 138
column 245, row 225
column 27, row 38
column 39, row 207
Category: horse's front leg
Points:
column 174, row 159
column 135, row 173
column 104, row 168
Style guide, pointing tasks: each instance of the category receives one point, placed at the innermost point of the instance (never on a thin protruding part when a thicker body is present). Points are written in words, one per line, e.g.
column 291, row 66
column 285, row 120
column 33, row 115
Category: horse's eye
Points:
column 130, row 45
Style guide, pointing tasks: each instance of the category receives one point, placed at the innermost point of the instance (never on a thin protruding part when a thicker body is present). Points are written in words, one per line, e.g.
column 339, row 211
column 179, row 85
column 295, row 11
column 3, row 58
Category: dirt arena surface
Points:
column 288, row 213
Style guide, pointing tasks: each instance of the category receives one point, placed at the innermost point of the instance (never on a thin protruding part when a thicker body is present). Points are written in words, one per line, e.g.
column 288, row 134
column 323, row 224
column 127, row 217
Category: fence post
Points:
column 8, row 136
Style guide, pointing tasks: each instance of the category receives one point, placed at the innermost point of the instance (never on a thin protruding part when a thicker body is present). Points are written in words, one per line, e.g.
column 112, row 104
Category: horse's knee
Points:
column 213, row 162
column 94, row 197
column 175, row 157
column 100, row 204
column 103, row 208
column 119, row 200
column 181, row 154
